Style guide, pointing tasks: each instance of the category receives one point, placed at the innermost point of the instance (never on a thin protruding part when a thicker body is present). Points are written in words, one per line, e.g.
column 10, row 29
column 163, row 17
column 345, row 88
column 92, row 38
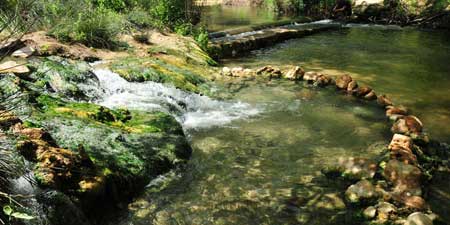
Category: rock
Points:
column 370, row 96
column 311, row 76
column 343, row 81
column 33, row 133
column 395, row 112
column 385, row 211
column 353, row 168
column 264, row 69
column 237, row 71
column 322, row 81
column 400, row 149
column 24, row 52
column 407, row 125
column 405, row 178
column 361, row 193
column 418, row 218
column 415, row 202
column 7, row 120
column 226, row 72
column 370, row 212
column 269, row 72
column 384, row 101
column 14, row 67
column 352, row 86
column 362, row 91
column 295, row 73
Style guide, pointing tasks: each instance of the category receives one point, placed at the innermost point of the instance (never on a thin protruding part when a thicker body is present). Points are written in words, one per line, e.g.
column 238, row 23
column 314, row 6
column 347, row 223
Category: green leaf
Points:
column 22, row 216
column 7, row 210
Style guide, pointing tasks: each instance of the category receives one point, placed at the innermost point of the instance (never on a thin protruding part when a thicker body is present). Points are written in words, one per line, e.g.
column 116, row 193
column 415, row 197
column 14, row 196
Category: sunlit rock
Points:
column 361, row 193
column 407, row 125
column 352, row 85
column 311, row 76
column 343, row 81
column 384, row 101
column 14, row 67
column 385, row 211
column 370, row 212
column 295, row 73
column 415, row 202
column 226, row 72
column 370, row 96
column 352, row 168
column 24, row 52
column 401, row 149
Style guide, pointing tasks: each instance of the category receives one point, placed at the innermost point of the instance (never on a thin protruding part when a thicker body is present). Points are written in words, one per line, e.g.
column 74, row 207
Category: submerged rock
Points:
column 362, row 192
column 352, row 168
column 370, row 212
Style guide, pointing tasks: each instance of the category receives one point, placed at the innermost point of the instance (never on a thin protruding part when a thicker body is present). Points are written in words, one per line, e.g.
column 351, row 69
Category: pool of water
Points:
column 411, row 66
column 223, row 17
column 266, row 169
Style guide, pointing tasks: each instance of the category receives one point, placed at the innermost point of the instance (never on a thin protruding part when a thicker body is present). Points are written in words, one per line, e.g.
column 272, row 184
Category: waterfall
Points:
column 191, row 110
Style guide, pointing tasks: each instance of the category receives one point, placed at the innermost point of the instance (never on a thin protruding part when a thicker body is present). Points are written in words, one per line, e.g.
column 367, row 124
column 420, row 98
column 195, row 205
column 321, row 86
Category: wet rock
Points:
column 14, row 67
column 295, row 73
column 370, row 212
column 237, row 71
column 395, row 112
column 361, row 193
column 384, row 101
column 7, row 120
column 362, row 91
column 33, row 133
column 401, row 149
column 269, row 72
column 343, row 81
column 322, row 80
column 226, row 72
column 418, row 218
column 371, row 96
column 352, row 86
column 311, row 76
column 406, row 178
column 24, row 52
column 385, row 211
column 415, row 202
column 407, row 125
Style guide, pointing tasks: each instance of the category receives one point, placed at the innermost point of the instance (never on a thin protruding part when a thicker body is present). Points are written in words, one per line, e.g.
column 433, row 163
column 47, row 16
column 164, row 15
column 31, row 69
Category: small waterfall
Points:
column 191, row 110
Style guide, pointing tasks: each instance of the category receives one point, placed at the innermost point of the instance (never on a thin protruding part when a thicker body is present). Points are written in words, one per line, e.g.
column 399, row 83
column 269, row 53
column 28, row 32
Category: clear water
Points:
column 222, row 17
column 410, row 66
column 266, row 169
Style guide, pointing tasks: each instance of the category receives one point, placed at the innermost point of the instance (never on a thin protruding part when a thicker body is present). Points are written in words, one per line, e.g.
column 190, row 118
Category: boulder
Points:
column 295, row 73
column 343, row 81
column 418, row 218
column 407, row 125
column 384, row 101
column 24, row 52
column 406, row 178
column 361, row 193
column 14, row 67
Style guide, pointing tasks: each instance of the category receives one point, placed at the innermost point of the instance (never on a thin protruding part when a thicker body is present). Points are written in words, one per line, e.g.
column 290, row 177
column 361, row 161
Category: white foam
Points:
column 191, row 110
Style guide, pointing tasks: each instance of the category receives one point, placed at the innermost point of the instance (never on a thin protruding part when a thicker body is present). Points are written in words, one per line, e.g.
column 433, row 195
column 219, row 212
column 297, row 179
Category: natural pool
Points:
column 411, row 66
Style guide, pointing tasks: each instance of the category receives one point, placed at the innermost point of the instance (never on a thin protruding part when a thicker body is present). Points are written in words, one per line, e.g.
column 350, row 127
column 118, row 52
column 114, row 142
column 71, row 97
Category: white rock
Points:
column 418, row 218
column 24, row 52
column 13, row 67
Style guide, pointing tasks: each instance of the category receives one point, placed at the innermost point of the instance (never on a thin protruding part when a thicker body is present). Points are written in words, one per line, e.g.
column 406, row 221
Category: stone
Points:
column 415, row 202
column 237, row 71
column 7, row 120
column 371, row 96
column 264, row 69
column 362, row 91
column 385, row 211
column 24, row 52
column 323, row 80
column 395, row 112
column 418, row 218
column 354, row 168
column 343, row 81
column 352, row 86
column 384, row 101
column 370, row 212
column 401, row 141
column 226, row 71
column 269, row 72
column 407, row 125
column 401, row 149
column 311, row 76
column 295, row 73
column 361, row 192
column 406, row 178
column 14, row 67
column 33, row 133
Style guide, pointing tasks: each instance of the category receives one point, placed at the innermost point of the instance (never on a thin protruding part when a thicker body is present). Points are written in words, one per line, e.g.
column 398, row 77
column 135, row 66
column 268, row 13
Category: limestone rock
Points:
column 407, row 125
column 343, row 81
column 361, row 192
column 405, row 178
column 384, row 101
column 295, row 73
column 13, row 67
column 24, row 52
column 418, row 218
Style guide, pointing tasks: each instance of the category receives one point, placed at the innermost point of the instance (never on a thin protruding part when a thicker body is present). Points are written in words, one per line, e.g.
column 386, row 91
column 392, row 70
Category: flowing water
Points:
column 409, row 65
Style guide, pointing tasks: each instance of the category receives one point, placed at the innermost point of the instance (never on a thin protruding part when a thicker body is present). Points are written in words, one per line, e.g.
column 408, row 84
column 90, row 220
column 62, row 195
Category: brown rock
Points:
column 415, row 202
column 384, row 101
column 400, row 142
column 343, row 81
column 352, row 86
column 362, row 91
column 370, row 96
column 407, row 125
column 322, row 81
column 226, row 72
column 396, row 110
column 295, row 73
column 361, row 192
column 7, row 119
column 24, row 52
column 400, row 148
column 404, row 177
column 33, row 133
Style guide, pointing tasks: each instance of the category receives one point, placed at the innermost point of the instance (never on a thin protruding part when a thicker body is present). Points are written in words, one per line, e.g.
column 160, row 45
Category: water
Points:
column 266, row 170
column 191, row 110
column 410, row 66
column 222, row 17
